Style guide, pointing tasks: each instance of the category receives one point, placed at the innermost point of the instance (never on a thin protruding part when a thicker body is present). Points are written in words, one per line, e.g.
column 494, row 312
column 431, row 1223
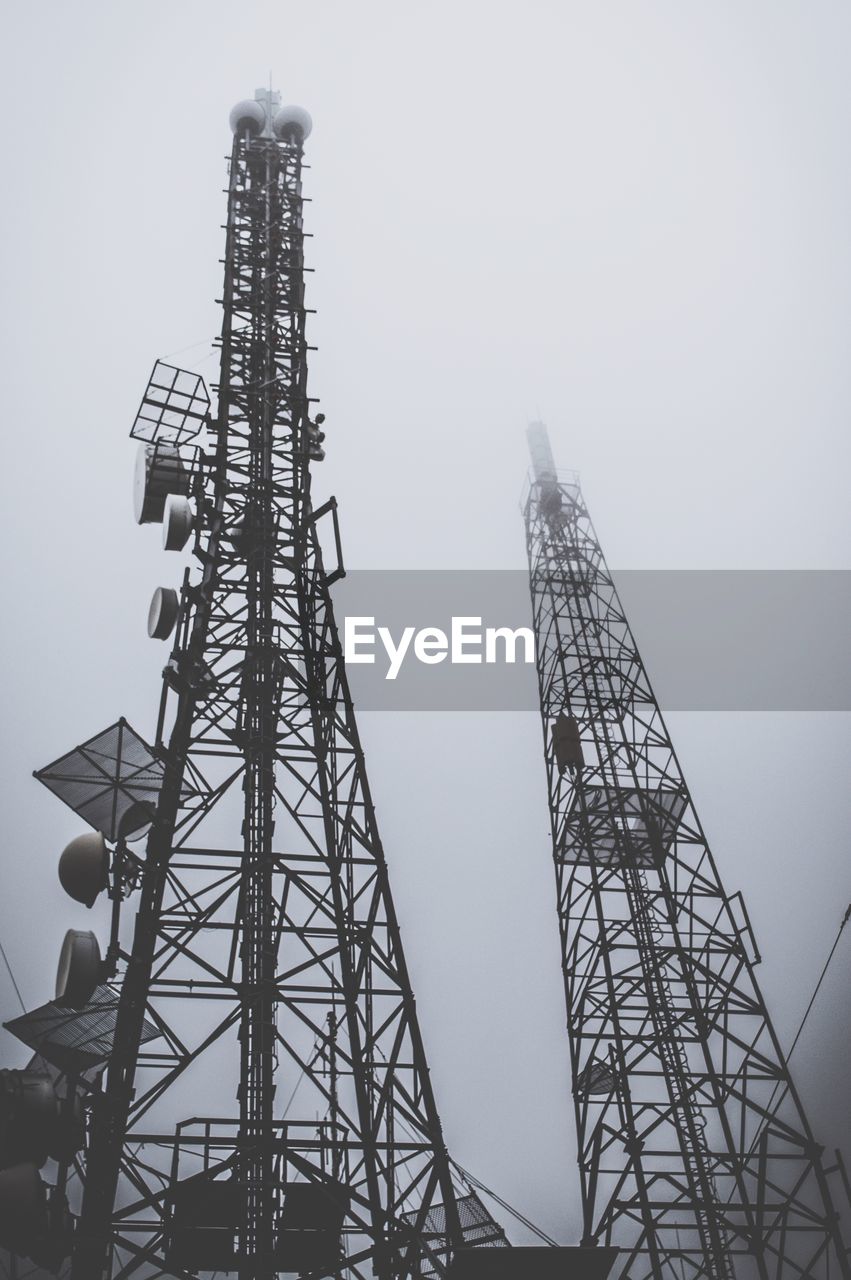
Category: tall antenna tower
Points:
column 247, row 1059
column 695, row 1155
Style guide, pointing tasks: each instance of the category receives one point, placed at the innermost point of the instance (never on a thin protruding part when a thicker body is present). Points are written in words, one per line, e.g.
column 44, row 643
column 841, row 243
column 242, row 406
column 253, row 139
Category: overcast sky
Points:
column 630, row 219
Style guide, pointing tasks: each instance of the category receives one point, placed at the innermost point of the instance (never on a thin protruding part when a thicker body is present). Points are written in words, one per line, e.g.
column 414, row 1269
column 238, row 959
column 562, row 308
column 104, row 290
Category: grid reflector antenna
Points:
column 175, row 406
column 74, row 1040
column 113, row 781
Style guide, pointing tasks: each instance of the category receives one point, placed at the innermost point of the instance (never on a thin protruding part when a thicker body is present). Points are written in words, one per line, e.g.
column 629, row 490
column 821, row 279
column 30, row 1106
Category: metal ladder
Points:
column 688, row 1117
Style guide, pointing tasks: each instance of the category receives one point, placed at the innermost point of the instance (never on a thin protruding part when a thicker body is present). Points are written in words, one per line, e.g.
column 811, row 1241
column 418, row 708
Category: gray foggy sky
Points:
column 631, row 219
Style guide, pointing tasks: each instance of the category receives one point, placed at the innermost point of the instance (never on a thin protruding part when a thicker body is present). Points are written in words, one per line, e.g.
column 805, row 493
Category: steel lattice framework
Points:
column 272, row 962
column 695, row 1155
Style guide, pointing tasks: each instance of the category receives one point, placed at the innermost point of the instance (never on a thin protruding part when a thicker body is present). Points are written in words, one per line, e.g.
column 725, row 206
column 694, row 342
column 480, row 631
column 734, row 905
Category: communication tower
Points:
column 236, row 1084
column 695, row 1156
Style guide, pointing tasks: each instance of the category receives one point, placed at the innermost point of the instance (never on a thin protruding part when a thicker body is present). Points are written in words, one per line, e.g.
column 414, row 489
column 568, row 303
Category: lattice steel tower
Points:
column 265, row 963
column 695, row 1155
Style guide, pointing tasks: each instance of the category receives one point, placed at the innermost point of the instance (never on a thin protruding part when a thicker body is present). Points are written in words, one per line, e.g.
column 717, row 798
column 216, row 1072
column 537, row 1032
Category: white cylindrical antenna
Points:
column 162, row 614
column 178, row 519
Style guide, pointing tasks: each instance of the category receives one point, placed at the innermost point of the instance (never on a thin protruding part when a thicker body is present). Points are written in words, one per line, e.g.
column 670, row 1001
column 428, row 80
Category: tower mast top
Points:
column 263, row 117
column 543, row 463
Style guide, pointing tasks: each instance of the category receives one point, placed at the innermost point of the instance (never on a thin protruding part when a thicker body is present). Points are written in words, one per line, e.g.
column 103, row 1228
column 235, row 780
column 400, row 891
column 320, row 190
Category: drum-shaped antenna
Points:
column 29, row 1117
column 160, row 470
column 84, row 867
column 136, row 821
column 69, row 1134
column 79, row 969
column 178, row 520
column 34, row 1218
column 162, row 613
column 23, row 1209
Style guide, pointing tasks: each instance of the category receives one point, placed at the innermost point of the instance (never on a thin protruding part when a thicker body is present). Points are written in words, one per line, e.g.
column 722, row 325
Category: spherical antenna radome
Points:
column 291, row 120
column 248, row 115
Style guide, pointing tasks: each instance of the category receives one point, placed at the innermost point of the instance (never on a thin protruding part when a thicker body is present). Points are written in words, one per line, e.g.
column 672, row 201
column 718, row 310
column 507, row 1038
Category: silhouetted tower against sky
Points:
column 694, row 1153
column 248, row 1052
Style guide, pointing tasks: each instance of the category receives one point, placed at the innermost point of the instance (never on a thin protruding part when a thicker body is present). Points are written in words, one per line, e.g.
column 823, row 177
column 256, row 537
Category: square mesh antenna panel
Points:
column 174, row 406
column 478, row 1228
column 74, row 1040
column 645, row 829
column 477, row 1225
column 106, row 777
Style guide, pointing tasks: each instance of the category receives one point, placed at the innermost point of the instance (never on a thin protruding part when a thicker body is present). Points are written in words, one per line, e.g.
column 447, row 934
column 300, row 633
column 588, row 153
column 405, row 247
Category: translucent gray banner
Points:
column 711, row 640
